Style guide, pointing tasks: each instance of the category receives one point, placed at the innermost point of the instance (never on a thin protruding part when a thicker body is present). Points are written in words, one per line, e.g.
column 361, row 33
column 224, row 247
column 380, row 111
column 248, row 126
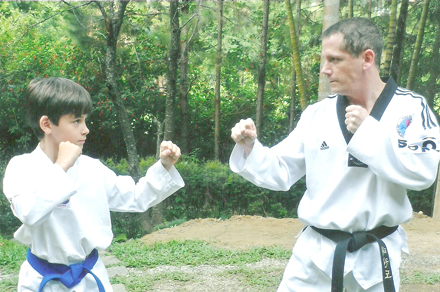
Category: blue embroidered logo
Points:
column 402, row 125
column 324, row 146
column 65, row 203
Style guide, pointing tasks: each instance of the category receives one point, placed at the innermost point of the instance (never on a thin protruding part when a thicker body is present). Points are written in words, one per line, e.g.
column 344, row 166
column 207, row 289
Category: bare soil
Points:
column 244, row 232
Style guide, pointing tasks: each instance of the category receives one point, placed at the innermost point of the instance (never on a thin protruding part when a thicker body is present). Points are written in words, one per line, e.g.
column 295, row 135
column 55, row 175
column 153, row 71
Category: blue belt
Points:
column 69, row 276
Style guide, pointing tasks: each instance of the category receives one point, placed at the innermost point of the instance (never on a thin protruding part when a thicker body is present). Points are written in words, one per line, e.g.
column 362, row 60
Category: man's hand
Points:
column 68, row 153
column 354, row 117
column 169, row 154
column 244, row 134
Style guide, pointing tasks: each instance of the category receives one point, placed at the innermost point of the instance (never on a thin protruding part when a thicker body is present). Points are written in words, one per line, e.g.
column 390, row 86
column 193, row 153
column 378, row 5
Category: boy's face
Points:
column 72, row 129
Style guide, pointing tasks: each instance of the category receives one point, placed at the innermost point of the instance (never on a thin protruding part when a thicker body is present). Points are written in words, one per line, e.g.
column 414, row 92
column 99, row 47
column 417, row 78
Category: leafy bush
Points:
column 211, row 190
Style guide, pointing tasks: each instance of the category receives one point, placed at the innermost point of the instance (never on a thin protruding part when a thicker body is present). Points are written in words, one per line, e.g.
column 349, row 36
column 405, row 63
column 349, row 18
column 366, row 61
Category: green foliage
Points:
column 264, row 279
column 41, row 38
column 212, row 190
column 134, row 253
column 418, row 277
column 12, row 255
column 422, row 200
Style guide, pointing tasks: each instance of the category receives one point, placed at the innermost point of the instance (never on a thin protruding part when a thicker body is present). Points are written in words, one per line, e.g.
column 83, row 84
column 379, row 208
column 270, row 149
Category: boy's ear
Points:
column 45, row 124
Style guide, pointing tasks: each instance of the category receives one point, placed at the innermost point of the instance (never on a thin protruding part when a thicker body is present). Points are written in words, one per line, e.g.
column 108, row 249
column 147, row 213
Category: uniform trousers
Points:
column 302, row 274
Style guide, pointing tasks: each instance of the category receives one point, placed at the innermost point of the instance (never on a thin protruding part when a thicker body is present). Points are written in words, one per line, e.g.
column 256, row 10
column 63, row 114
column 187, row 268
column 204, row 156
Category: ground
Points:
column 242, row 232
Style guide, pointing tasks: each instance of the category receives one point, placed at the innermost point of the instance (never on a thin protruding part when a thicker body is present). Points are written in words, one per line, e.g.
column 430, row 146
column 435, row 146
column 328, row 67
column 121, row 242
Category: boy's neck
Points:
column 49, row 149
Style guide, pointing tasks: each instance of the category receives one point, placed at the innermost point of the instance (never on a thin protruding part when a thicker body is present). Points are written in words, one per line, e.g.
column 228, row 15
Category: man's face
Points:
column 344, row 72
column 72, row 129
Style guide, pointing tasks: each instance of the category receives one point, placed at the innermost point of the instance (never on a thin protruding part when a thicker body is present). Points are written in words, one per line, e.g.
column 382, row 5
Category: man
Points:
column 360, row 149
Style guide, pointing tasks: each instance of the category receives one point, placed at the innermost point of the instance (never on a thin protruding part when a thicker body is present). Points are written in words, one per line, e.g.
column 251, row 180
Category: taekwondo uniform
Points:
column 354, row 182
column 66, row 216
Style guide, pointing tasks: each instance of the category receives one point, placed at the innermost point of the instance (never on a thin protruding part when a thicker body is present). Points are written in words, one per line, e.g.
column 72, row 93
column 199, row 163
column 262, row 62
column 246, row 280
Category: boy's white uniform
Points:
column 66, row 215
column 395, row 148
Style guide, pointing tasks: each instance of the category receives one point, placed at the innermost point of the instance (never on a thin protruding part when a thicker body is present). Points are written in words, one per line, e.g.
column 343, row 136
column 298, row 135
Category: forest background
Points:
column 187, row 71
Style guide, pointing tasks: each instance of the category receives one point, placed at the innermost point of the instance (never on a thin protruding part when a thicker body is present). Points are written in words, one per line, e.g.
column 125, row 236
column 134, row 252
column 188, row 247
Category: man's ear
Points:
column 369, row 57
column 45, row 124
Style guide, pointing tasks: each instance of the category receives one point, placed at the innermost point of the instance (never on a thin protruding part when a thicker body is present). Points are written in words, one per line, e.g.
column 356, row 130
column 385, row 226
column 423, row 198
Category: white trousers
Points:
column 302, row 274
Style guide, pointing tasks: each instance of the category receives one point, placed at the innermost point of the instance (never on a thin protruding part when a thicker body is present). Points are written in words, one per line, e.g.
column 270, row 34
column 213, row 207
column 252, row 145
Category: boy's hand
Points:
column 169, row 154
column 68, row 153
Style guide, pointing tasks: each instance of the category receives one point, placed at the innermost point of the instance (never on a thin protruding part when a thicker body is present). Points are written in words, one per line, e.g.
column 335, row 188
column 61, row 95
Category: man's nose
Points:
column 325, row 69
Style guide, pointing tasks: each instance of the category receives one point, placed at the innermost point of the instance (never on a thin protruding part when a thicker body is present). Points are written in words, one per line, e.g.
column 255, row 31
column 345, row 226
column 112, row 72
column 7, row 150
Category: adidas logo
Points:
column 324, row 146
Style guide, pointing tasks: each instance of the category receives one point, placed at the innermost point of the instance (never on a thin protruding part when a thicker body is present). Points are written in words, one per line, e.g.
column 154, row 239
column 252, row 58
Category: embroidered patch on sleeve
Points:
column 402, row 125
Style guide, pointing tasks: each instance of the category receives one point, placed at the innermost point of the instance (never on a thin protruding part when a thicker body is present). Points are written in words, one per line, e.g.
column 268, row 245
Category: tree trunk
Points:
column 433, row 69
column 418, row 46
column 183, row 90
column 400, row 35
column 391, row 39
column 331, row 16
column 369, row 8
column 262, row 68
column 350, row 8
column 295, row 56
column 434, row 74
column 173, row 57
column 292, row 112
column 436, row 211
column 113, row 23
column 218, row 68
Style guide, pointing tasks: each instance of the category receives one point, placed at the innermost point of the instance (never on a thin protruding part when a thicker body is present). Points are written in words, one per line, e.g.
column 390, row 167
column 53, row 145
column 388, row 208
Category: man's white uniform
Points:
column 354, row 182
column 66, row 215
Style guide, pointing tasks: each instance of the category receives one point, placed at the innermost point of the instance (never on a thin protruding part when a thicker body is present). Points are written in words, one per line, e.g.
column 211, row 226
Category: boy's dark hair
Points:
column 54, row 97
column 360, row 34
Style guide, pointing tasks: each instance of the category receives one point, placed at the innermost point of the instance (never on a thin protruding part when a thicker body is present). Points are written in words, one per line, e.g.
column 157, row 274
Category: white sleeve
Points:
column 276, row 168
column 34, row 194
column 157, row 185
column 410, row 161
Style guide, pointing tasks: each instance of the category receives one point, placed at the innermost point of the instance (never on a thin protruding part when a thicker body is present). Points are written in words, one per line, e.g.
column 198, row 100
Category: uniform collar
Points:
column 378, row 109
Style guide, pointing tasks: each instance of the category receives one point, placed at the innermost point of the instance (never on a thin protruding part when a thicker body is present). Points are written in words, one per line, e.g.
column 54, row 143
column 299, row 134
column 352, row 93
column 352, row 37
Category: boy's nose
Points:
column 85, row 130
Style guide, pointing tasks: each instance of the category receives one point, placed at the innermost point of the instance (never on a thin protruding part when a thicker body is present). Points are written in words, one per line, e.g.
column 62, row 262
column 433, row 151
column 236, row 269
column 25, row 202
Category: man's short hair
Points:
column 54, row 97
column 360, row 34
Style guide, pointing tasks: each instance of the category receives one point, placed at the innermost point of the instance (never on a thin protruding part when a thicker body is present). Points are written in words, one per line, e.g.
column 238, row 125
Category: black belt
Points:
column 352, row 242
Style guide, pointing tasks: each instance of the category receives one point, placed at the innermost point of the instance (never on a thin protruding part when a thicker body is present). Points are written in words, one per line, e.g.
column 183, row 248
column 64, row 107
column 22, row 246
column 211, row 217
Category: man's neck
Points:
column 367, row 96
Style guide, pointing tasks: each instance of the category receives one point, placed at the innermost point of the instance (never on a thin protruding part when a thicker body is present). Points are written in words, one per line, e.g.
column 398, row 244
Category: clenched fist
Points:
column 354, row 117
column 169, row 154
column 68, row 153
column 244, row 134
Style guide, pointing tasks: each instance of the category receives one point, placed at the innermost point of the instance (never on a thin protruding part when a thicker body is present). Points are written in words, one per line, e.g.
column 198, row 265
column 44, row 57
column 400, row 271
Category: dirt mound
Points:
column 242, row 232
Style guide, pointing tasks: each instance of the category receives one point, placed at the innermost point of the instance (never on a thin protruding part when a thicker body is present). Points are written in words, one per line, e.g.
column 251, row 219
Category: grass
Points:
column 145, row 282
column 194, row 256
column 135, row 254
column 259, row 279
column 233, row 266
column 418, row 277
column 12, row 254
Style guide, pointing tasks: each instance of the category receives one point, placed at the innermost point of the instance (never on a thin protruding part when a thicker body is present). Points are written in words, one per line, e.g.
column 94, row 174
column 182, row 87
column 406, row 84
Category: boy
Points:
column 63, row 198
